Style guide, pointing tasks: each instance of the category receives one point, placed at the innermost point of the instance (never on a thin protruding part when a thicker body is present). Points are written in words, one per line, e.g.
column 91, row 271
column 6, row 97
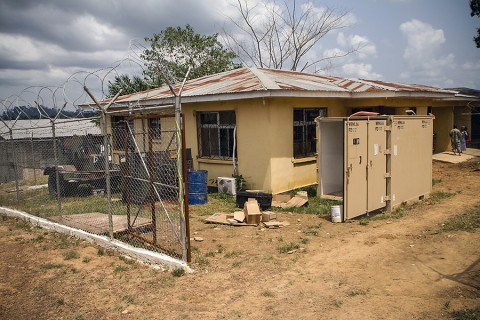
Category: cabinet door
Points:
column 376, row 165
column 355, row 164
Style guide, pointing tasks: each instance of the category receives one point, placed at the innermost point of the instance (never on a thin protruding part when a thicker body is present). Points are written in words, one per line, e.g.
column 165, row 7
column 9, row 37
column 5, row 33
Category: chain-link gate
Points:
column 146, row 150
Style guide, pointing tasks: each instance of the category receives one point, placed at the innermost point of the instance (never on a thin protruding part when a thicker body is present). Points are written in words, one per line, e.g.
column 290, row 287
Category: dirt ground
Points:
column 366, row 269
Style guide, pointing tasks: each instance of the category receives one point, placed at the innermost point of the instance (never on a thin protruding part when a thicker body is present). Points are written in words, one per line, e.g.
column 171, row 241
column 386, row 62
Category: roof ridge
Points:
column 266, row 81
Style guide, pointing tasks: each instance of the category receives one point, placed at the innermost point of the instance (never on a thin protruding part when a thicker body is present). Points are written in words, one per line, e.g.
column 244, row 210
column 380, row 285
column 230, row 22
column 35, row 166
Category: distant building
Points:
column 32, row 144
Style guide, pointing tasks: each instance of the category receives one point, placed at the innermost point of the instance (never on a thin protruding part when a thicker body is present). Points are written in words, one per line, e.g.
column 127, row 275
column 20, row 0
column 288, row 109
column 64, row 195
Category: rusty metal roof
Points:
column 254, row 82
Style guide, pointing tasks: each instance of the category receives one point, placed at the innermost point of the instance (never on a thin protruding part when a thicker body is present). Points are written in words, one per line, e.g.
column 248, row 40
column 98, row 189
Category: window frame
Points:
column 307, row 139
column 216, row 127
column 155, row 128
column 118, row 122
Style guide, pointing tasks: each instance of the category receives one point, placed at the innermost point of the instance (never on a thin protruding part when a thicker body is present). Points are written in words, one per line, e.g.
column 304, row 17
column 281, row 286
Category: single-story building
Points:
column 263, row 119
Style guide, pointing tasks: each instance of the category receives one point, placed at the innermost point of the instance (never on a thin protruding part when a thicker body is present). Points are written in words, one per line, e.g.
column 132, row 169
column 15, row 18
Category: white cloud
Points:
column 334, row 52
column 365, row 47
column 469, row 65
column 357, row 63
column 424, row 53
column 360, row 70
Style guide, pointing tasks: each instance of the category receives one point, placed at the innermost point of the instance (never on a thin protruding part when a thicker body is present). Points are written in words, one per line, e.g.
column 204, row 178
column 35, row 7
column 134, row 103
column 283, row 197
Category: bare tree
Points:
column 280, row 35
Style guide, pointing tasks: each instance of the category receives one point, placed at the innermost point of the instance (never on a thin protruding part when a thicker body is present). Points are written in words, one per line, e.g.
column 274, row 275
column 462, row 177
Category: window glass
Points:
column 121, row 134
column 155, row 128
column 305, row 131
column 216, row 134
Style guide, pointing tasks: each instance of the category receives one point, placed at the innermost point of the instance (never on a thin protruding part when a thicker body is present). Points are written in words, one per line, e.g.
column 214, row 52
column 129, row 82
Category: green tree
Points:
column 129, row 85
column 475, row 7
column 176, row 49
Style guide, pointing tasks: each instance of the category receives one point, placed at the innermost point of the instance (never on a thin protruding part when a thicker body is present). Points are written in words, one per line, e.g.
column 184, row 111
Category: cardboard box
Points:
column 252, row 212
column 269, row 215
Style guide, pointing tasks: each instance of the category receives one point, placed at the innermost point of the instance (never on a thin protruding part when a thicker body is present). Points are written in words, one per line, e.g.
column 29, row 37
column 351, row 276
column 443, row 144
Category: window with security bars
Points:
column 120, row 132
column 216, row 134
column 155, row 128
column 305, row 131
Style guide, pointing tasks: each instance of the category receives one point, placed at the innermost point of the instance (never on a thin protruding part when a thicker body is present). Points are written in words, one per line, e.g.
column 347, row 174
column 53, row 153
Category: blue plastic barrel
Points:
column 197, row 186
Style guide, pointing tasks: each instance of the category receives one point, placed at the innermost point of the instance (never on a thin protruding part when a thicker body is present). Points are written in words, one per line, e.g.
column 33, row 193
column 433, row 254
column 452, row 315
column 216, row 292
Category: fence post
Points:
column 106, row 145
column 15, row 169
column 33, row 160
column 57, row 174
column 181, row 185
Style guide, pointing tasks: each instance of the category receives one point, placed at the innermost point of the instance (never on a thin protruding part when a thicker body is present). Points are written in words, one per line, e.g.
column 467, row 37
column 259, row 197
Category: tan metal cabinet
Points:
column 374, row 162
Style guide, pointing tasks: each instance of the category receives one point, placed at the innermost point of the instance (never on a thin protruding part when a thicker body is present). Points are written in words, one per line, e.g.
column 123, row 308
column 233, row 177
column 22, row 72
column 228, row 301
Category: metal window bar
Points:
column 223, row 151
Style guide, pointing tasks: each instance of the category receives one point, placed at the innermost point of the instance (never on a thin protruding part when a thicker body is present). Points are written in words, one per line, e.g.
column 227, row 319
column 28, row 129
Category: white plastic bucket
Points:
column 336, row 213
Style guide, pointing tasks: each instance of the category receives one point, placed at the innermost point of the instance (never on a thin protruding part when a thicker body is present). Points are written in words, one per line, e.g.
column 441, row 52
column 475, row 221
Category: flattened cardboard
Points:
column 225, row 218
column 282, row 197
column 300, row 199
column 239, row 216
column 276, row 224
column 220, row 218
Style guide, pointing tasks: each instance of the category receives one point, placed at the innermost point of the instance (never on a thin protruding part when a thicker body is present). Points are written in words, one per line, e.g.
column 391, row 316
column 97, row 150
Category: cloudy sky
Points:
column 46, row 43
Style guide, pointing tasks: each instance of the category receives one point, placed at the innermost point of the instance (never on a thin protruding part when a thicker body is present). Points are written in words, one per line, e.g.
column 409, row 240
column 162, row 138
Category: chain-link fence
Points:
column 127, row 185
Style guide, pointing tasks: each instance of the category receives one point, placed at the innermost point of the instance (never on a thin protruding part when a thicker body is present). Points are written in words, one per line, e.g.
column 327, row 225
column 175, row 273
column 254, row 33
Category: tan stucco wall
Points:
column 265, row 136
column 264, row 142
column 442, row 125
column 462, row 119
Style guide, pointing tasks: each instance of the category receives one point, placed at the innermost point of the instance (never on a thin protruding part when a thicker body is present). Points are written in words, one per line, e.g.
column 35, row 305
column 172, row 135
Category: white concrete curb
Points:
column 140, row 254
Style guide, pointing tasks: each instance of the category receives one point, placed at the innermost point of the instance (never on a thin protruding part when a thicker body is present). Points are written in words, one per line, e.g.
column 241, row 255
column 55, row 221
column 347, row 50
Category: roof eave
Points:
column 238, row 96
column 290, row 94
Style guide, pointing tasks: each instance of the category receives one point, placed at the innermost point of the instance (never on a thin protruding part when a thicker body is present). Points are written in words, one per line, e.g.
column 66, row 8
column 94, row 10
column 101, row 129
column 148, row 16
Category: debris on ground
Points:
column 300, row 199
column 250, row 216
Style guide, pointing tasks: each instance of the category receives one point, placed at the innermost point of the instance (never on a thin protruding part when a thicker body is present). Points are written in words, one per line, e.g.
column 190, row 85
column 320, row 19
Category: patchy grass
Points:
column 468, row 221
column 59, row 302
column 233, row 254
column 120, row 268
column 40, row 203
column 285, row 248
column 202, row 261
column 467, row 314
column 126, row 259
column 178, row 272
column 436, row 181
column 130, row 299
column 313, row 229
column 438, row 196
column 69, row 255
column 268, row 293
column 397, row 213
column 304, row 240
column 402, row 210
column 217, row 202
column 236, row 264
column 49, row 266
column 316, row 206
column 355, row 292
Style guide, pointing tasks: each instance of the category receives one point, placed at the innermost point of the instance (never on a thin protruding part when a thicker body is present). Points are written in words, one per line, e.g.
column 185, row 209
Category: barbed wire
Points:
column 69, row 100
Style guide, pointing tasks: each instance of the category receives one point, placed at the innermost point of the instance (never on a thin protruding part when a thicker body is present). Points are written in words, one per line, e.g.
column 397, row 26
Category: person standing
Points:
column 455, row 136
column 463, row 139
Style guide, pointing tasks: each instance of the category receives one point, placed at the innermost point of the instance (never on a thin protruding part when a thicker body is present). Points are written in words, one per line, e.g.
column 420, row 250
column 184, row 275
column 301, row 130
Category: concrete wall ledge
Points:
column 153, row 259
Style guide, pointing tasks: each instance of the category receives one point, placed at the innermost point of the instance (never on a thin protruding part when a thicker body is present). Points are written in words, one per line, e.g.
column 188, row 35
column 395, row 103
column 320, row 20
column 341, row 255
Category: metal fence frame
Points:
column 11, row 160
